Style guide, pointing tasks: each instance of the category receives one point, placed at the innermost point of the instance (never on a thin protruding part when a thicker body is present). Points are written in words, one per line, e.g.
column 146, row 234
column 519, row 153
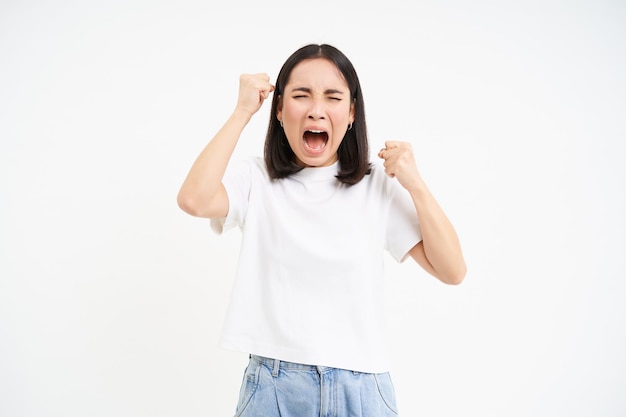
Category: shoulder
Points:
column 387, row 186
column 377, row 170
column 376, row 177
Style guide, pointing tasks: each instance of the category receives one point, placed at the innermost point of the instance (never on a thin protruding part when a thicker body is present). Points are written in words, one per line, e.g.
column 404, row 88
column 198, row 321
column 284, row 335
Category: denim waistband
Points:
column 273, row 387
column 275, row 365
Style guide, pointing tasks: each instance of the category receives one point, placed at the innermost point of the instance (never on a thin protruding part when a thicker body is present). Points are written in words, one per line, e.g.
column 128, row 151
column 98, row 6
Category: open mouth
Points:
column 315, row 140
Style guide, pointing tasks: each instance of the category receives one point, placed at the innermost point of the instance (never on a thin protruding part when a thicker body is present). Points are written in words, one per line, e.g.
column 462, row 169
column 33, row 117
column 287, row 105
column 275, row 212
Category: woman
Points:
column 316, row 217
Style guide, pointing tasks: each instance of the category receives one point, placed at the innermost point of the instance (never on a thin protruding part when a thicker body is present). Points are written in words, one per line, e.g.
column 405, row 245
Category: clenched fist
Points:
column 253, row 90
column 400, row 164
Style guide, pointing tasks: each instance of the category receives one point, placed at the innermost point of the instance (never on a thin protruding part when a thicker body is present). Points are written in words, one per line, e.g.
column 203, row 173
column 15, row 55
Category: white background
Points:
column 112, row 298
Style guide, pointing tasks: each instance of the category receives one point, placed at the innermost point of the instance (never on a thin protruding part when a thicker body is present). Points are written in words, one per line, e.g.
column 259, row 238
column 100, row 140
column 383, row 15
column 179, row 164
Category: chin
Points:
column 317, row 161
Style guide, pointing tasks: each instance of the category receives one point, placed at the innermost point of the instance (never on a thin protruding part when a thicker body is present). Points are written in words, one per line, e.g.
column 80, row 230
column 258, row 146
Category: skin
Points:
column 439, row 252
column 202, row 194
column 316, row 97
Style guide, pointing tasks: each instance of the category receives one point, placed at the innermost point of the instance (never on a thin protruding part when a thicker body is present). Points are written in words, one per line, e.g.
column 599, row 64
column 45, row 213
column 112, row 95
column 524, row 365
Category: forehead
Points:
column 317, row 73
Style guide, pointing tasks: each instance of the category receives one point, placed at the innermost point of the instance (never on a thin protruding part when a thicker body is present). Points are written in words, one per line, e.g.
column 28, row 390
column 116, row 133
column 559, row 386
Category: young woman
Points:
column 316, row 217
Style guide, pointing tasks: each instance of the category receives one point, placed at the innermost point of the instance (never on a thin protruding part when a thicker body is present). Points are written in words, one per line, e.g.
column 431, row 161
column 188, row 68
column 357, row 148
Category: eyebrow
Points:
column 308, row 90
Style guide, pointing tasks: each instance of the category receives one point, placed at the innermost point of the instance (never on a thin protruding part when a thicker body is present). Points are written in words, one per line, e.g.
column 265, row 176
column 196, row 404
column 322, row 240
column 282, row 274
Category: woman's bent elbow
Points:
column 203, row 205
column 455, row 277
column 189, row 204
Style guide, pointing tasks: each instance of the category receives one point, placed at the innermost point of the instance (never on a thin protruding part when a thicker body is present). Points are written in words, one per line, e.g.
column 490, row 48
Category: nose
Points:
column 316, row 111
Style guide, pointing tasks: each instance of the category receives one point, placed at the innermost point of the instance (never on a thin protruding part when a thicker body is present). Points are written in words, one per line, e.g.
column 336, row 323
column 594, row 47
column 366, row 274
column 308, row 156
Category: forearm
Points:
column 205, row 176
column 441, row 245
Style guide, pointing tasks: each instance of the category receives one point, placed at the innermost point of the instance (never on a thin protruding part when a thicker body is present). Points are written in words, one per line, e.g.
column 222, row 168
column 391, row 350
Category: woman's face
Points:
column 315, row 110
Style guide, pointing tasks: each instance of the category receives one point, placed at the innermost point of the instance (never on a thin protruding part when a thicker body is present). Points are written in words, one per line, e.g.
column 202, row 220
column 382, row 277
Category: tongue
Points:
column 315, row 140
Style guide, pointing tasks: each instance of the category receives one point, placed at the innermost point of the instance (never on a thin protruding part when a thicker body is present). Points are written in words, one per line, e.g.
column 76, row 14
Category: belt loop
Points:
column 276, row 368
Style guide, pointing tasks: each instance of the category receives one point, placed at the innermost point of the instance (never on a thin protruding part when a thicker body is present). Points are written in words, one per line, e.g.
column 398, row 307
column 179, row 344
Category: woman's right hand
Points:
column 253, row 90
column 202, row 193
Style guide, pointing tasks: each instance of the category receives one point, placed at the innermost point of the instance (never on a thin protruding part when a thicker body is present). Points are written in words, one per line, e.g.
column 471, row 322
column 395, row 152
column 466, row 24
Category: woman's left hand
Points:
column 400, row 163
column 439, row 252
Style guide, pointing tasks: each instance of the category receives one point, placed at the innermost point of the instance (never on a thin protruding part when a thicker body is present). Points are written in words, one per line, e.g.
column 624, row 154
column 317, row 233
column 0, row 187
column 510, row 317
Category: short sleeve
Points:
column 403, row 228
column 237, row 182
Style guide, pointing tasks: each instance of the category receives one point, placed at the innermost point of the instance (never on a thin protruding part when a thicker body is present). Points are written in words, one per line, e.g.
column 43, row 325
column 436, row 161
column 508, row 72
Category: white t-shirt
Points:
column 309, row 283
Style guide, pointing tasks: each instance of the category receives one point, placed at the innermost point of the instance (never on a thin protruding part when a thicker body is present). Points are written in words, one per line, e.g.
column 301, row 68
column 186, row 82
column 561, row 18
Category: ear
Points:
column 352, row 105
column 279, row 108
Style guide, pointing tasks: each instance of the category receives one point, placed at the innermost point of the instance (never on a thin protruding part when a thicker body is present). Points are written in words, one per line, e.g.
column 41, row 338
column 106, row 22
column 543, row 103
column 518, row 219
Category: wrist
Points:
column 418, row 189
column 241, row 115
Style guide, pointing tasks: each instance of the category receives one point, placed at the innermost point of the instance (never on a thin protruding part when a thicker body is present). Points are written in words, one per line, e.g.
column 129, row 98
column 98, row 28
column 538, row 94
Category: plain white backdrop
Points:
column 112, row 299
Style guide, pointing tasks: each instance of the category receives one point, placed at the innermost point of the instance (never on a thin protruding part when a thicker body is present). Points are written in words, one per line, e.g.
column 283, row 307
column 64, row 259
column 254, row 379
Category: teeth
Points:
column 316, row 131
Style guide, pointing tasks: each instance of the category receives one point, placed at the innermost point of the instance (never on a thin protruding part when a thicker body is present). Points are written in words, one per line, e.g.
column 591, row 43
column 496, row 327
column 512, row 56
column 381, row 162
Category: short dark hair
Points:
column 353, row 153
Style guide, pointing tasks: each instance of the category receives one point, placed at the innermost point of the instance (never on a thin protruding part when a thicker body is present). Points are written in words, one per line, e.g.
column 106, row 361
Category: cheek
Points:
column 293, row 136
column 288, row 114
column 291, row 110
column 342, row 113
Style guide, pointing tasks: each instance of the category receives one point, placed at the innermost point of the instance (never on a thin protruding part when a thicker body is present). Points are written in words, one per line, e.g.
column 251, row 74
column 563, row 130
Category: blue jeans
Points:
column 273, row 388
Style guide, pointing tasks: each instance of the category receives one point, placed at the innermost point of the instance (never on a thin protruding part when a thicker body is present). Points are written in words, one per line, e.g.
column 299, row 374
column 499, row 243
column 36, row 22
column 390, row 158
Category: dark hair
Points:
column 353, row 153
